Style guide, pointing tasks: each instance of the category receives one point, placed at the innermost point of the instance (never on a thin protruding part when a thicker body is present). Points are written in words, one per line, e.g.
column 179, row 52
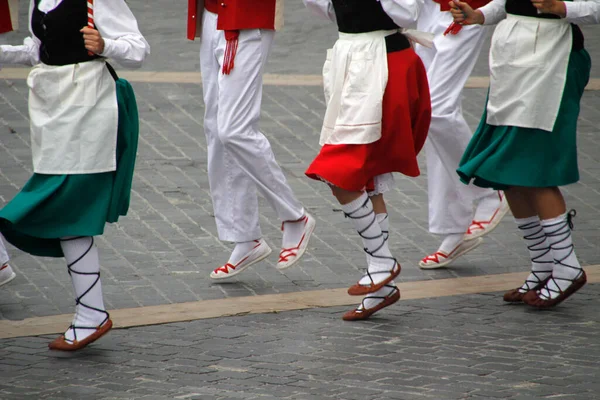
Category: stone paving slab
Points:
column 299, row 48
column 270, row 303
column 163, row 250
column 462, row 347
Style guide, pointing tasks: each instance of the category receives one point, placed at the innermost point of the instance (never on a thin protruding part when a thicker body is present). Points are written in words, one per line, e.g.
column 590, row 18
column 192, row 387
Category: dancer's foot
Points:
column 452, row 248
column 488, row 215
column 77, row 337
column 567, row 274
column 244, row 255
column 296, row 235
column 535, row 281
column 373, row 281
column 386, row 296
column 6, row 274
column 91, row 321
column 542, row 260
column 555, row 291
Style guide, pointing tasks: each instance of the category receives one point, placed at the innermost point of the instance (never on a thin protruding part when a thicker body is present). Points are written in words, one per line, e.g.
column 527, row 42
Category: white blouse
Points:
column 403, row 12
column 580, row 12
column 123, row 41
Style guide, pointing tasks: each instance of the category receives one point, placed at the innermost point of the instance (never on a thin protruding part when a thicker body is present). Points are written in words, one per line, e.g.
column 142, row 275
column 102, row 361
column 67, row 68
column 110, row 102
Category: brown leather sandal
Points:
column 515, row 296
column 359, row 314
column 60, row 343
column 533, row 298
column 361, row 290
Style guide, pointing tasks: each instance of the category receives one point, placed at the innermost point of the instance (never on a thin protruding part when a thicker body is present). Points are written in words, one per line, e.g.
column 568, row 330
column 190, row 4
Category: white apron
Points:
column 74, row 118
column 528, row 70
column 354, row 79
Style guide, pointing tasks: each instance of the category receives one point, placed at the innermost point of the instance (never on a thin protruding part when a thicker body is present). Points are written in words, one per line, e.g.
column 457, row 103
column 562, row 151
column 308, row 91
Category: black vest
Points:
column 526, row 8
column 58, row 30
column 360, row 16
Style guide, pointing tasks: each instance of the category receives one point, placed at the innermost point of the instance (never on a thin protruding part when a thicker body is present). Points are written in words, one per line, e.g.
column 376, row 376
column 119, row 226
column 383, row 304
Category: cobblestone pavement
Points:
column 465, row 347
column 164, row 249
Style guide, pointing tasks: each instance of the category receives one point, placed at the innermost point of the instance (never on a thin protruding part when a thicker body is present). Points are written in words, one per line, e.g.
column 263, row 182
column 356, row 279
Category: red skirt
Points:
column 405, row 123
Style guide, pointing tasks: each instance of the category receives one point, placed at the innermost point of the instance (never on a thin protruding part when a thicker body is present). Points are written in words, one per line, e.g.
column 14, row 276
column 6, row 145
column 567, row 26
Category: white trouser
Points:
column 449, row 64
column 240, row 159
column 3, row 253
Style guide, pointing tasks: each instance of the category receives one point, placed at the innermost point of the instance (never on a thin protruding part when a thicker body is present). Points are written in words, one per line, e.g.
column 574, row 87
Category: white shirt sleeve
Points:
column 494, row 12
column 123, row 41
column 28, row 53
column 583, row 12
column 403, row 12
column 322, row 8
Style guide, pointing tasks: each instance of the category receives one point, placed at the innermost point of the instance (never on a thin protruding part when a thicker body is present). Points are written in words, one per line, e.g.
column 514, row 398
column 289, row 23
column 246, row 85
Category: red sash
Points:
column 475, row 4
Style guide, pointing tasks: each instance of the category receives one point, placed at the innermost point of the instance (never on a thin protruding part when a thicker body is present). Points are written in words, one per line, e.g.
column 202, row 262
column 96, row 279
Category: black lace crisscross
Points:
column 563, row 232
column 382, row 235
column 362, row 307
column 540, row 237
column 78, row 299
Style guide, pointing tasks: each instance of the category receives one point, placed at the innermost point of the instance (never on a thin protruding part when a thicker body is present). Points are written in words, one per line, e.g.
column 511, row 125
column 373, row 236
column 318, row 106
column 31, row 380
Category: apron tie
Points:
column 230, row 50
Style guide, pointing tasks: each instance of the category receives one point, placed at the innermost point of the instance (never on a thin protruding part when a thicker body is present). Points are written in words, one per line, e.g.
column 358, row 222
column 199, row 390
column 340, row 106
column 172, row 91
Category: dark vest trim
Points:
column 361, row 16
column 396, row 42
column 58, row 31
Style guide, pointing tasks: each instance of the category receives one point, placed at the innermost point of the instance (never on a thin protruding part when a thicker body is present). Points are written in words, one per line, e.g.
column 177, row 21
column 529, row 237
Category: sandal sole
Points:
column 9, row 279
column 61, row 344
column 543, row 304
column 361, row 290
column 473, row 244
column 241, row 269
column 366, row 313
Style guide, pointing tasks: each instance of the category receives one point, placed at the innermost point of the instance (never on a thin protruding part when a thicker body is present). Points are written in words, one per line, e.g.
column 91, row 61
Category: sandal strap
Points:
column 304, row 218
column 435, row 257
column 530, row 284
column 480, row 224
column 393, row 291
column 369, row 274
column 225, row 268
column 559, row 291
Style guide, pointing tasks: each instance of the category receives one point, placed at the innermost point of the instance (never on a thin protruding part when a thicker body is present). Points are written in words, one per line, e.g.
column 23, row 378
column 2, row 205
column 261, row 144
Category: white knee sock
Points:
column 292, row 233
column 240, row 251
column 360, row 211
column 84, row 267
column 566, row 265
column 487, row 206
column 451, row 241
column 542, row 260
column 372, row 299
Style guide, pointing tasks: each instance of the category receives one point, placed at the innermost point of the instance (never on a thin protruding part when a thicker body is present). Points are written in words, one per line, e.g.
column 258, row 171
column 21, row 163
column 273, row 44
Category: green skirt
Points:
column 53, row 206
column 499, row 157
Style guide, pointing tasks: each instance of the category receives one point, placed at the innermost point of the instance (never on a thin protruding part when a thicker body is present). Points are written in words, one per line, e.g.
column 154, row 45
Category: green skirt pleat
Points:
column 53, row 206
column 499, row 157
